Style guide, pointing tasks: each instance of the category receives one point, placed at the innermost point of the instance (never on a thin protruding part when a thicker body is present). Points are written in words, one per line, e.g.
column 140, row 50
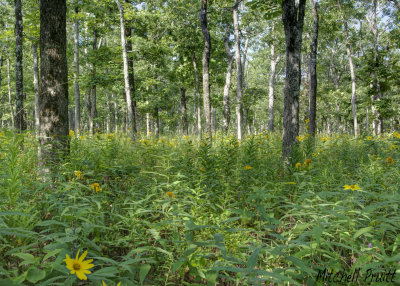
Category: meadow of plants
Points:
column 179, row 211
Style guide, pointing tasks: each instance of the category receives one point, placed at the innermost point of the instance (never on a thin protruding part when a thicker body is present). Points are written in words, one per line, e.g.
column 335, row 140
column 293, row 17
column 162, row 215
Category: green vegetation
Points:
column 175, row 211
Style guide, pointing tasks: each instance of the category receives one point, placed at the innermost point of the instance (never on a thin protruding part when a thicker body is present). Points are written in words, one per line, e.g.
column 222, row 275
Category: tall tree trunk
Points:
column 185, row 125
column 76, row 77
column 271, row 89
column 2, row 98
column 108, row 118
column 293, row 20
column 126, row 70
column 10, row 101
column 115, row 112
column 20, row 121
column 198, row 105
column 377, row 121
column 352, row 73
column 313, row 69
column 239, row 79
column 93, row 96
column 53, row 99
column 128, row 34
column 206, row 67
column 36, row 85
column 226, row 101
column 147, row 121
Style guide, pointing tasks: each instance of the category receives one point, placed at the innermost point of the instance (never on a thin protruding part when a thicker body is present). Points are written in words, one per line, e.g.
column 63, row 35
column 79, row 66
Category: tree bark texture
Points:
column 128, row 34
column 53, row 99
column 20, row 121
column 206, row 68
column 10, row 101
column 293, row 20
column 76, row 77
column 313, row 70
column 239, row 78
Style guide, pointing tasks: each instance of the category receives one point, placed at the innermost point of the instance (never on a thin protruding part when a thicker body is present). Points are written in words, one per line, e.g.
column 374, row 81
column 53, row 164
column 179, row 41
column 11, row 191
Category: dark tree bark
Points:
column 36, row 85
column 197, row 89
column 184, row 119
column 76, row 77
column 239, row 78
column 313, row 69
column 20, row 121
column 2, row 98
column 157, row 121
column 226, row 101
column 206, row 68
column 53, row 100
column 293, row 20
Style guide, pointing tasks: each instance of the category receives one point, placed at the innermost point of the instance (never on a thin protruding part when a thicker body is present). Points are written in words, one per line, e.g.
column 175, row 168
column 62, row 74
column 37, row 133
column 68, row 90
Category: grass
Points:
column 175, row 211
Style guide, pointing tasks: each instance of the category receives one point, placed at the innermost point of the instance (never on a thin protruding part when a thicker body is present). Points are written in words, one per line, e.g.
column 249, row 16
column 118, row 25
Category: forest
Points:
column 199, row 142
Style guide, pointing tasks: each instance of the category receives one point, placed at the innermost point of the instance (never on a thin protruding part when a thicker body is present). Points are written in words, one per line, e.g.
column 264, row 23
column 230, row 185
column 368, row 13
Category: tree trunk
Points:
column 198, row 107
column 147, row 121
column 206, row 67
column 126, row 70
column 93, row 105
column 76, row 77
column 2, row 99
column 239, row 79
column 115, row 112
column 313, row 69
column 128, row 34
column 226, row 103
column 53, row 99
column 10, row 101
column 293, row 20
column 20, row 121
column 185, row 126
column 352, row 73
column 36, row 85
column 271, row 88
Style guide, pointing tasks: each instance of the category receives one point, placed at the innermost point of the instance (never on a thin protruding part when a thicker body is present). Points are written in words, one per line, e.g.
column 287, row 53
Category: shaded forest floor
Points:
column 175, row 211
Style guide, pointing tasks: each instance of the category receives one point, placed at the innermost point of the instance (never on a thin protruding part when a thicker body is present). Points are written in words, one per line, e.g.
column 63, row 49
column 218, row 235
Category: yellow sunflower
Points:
column 351, row 187
column 78, row 266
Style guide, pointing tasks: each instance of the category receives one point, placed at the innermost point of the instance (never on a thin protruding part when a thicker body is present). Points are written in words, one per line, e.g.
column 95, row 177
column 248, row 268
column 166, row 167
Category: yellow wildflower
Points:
column 314, row 154
column 104, row 284
column 307, row 162
column 393, row 147
column 71, row 133
column 389, row 160
column 170, row 194
column 202, row 169
column 78, row 266
column 298, row 165
column 79, row 175
column 324, row 139
column 248, row 167
column 300, row 138
column 369, row 138
column 396, row 134
column 186, row 137
column 351, row 187
column 1, row 133
column 95, row 187
column 307, row 120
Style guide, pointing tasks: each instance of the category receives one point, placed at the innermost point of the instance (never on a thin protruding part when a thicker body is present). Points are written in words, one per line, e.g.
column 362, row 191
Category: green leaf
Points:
column 211, row 277
column 362, row 231
column 34, row 275
column 178, row 264
column 252, row 262
column 144, row 270
column 51, row 253
column 26, row 257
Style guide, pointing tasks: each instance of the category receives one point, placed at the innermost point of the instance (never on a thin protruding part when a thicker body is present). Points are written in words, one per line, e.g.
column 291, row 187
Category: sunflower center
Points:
column 76, row 266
